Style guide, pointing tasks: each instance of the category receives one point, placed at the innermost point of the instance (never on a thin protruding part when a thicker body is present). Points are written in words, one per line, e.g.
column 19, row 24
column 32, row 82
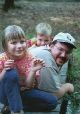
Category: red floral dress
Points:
column 23, row 66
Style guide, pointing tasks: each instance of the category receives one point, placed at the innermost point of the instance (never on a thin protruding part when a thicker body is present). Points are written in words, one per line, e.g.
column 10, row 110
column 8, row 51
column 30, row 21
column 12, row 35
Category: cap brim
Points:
column 72, row 45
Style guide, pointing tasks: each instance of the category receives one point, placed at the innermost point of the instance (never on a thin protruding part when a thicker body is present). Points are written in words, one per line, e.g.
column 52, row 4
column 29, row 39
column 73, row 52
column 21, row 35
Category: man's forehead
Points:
column 63, row 46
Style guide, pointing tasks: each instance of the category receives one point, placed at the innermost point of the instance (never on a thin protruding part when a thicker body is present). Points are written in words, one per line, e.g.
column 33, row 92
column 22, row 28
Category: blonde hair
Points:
column 44, row 28
column 10, row 33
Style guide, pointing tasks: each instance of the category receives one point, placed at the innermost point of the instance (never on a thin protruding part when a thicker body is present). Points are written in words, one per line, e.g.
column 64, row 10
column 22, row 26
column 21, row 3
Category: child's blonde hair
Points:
column 44, row 28
column 10, row 33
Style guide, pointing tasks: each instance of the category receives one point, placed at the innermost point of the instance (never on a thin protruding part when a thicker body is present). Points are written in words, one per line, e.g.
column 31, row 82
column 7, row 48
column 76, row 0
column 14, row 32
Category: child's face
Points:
column 16, row 48
column 43, row 39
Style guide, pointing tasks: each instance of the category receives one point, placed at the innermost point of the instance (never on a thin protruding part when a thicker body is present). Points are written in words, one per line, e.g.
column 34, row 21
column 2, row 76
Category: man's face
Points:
column 43, row 40
column 60, row 52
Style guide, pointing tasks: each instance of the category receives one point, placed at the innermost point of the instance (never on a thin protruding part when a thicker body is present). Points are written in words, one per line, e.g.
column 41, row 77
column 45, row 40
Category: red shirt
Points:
column 23, row 66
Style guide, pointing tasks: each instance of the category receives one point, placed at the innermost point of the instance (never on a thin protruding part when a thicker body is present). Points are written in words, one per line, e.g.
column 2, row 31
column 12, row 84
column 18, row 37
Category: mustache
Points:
column 63, row 58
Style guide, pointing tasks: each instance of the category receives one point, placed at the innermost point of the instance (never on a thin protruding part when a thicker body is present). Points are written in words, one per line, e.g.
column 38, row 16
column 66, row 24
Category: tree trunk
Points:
column 8, row 4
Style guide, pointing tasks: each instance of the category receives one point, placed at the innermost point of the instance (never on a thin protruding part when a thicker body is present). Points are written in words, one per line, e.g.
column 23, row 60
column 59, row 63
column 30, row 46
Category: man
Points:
column 60, row 50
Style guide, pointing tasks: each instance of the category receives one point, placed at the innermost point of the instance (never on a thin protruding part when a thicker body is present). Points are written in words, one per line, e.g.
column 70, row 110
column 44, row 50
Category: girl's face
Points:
column 43, row 39
column 16, row 48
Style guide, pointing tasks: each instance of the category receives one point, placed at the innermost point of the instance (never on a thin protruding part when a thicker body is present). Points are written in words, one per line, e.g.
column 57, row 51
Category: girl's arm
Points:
column 36, row 65
column 2, row 74
column 7, row 66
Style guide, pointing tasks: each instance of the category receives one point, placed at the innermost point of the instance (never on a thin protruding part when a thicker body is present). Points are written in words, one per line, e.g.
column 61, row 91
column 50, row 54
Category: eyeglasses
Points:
column 61, row 50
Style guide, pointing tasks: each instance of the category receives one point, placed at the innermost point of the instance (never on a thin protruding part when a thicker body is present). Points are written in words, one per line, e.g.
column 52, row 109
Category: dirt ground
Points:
column 63, row 16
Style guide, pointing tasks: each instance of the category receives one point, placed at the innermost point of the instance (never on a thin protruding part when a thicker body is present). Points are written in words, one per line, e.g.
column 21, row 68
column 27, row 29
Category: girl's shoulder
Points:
column 30, row 56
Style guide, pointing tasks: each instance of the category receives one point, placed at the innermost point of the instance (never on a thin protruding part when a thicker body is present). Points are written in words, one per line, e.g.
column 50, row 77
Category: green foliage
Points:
column 74, row 66
column 73, row 76
column 74, row 98
column 29, row 36
column 73, row 102
column 77, row 53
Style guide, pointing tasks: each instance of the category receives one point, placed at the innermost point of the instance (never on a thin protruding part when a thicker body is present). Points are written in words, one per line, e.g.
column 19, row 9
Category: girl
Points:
column 18, row 75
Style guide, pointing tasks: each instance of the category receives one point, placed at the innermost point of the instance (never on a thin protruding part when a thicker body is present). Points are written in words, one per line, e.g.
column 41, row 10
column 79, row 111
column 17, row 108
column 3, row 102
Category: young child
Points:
column 17, row 75
column 43, row 36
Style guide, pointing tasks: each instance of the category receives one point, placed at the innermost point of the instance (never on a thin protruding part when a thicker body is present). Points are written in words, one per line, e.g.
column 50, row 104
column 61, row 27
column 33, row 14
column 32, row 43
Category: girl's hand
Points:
column 8, row 64
column 37, row 64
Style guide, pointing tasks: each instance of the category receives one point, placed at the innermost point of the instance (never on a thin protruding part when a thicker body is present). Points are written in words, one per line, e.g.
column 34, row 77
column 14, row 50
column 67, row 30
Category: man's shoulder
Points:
column 40, row 51
column 32, row 47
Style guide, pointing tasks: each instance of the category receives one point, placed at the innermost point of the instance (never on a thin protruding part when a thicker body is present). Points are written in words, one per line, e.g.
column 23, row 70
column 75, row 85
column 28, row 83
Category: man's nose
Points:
column 63, row 54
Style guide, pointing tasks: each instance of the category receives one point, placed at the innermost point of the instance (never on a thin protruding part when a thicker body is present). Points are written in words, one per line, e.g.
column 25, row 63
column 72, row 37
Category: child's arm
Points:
column 37, row 65
column 6, row 66
column 2, row 74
